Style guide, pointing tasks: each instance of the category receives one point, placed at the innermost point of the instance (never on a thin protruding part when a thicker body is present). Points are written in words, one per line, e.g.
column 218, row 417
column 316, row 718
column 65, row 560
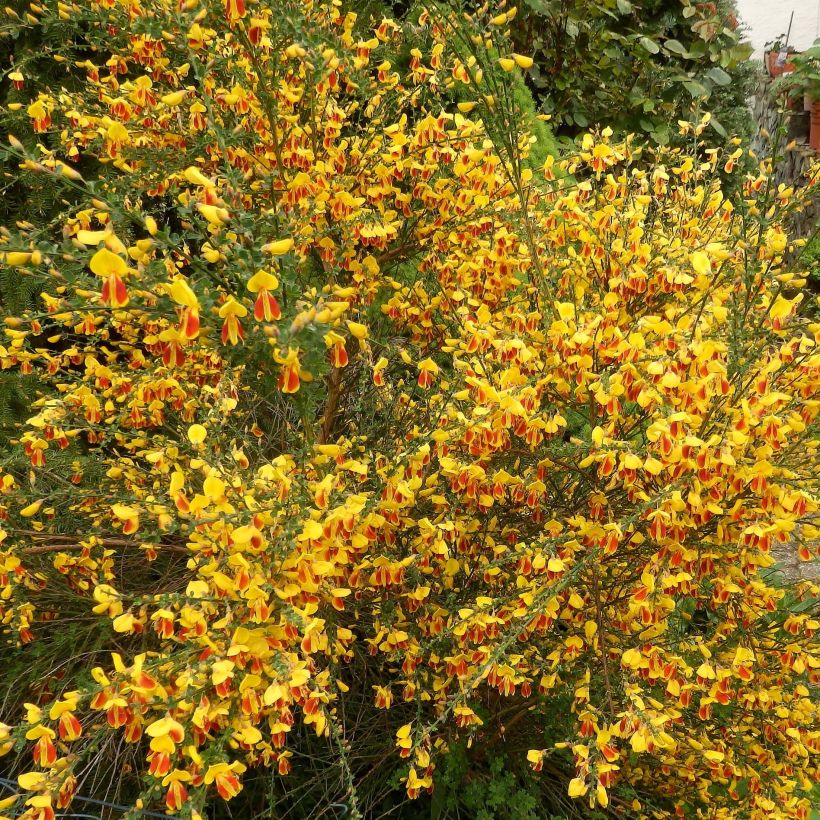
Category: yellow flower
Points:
column 92, row 237
column 701, row 263
column 128, row 515
column 32, row 509
column 174, row 98
column 105, row 263
column 197, row 434
column 15, row 259
column 196, row 177
column 262, row 280
column 31, row 781
column 214, row 215
column 278, row 248
column 180, row 291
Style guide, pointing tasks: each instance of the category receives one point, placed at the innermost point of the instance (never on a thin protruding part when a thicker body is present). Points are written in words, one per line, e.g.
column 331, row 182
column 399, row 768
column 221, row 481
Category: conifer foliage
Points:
column 345, row 410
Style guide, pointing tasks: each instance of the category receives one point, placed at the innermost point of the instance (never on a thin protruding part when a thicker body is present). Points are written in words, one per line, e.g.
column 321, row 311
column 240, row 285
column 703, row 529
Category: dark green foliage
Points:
column 16, row 394
column 494, row 793
column 31, row 50
column 805, row 79
column 486, row 785
column 25, row 196
column 546, row 143
column 636, row 66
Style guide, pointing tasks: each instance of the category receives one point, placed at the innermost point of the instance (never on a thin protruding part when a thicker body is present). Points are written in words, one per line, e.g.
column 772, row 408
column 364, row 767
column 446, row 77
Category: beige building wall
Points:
column 766, row 19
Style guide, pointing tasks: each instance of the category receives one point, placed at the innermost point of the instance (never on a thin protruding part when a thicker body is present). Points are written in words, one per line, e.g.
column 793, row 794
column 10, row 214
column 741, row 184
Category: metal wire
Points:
column 12, row 786
column 75, row 816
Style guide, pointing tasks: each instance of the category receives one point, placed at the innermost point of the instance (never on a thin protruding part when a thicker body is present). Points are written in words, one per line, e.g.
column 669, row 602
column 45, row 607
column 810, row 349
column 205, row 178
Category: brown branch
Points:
column 397, row 252
column 72, row 545
column 602, row 643
column 524, row 710
column 43, row 548
column 334, row 392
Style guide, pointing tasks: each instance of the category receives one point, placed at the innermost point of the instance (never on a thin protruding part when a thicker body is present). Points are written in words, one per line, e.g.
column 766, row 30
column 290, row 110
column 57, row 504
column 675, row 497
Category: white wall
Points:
column 766, row 19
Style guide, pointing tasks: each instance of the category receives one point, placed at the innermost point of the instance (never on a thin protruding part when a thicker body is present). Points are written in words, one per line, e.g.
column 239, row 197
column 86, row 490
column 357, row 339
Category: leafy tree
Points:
column 359, row 439
column 637, row 66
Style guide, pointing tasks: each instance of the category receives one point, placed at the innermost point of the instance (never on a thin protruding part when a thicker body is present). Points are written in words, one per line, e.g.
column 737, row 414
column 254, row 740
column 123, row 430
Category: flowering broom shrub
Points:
column 353, row 425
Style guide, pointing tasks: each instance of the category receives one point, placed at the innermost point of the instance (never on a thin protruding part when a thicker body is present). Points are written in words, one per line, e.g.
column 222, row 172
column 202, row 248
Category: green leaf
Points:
column 718, row 127
column 718, row 76
column 538, row 6
column 695, row 88
column 741, row 52
column 650, row 45
column 624, row 6
column 676, row 47
column 698, row 49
